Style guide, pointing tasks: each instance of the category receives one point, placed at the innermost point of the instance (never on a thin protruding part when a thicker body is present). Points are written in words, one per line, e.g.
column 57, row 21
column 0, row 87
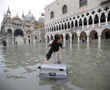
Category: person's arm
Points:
column 61, row 45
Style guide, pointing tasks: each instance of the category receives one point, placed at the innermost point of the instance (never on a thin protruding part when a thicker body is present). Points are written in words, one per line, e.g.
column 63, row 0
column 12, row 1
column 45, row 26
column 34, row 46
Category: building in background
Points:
column 78, row 20
column 16, row 30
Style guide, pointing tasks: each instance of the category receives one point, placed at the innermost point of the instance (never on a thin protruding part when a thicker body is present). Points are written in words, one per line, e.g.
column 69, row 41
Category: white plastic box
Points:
column 53, row 71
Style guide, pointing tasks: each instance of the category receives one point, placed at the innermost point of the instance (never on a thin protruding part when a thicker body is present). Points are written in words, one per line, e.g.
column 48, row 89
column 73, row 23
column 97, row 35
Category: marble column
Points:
column 99, row 41
column 88, row 39
column 99, row 21
column 93, row 23
column 70, row 40
column 78, row 41
column 106, row 20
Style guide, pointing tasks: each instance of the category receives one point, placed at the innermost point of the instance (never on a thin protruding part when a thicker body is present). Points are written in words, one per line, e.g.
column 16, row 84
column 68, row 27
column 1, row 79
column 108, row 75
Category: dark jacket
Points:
column 54, row 47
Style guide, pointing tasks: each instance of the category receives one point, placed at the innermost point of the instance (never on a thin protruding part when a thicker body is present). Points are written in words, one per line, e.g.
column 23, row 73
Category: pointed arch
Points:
column 68, row 25
column 19, row 32
column 74, row 36
column 103, row 18
column 80, row 22
column 93, row 35
column 9, row 31
column 83, row 36
column 96, row 19
column 85, row 21
column 90, row 20
column 105, row 34
column 65, row 26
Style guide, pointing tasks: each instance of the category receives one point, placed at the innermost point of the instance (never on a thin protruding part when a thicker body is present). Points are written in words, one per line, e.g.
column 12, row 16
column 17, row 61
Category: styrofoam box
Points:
column 53, row 71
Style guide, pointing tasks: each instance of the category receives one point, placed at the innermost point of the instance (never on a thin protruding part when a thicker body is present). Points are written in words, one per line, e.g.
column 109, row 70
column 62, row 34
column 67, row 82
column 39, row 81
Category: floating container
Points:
column 53, row 71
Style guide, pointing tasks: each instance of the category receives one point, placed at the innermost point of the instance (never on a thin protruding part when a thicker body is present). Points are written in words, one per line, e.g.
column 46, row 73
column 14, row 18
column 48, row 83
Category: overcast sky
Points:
column 19, row 6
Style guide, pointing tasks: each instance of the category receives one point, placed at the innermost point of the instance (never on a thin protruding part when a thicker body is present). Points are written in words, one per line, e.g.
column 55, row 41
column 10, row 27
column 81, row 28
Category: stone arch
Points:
column 103, row 18
column 109, row 16
column 83, row 36
column 105, row 34
column 85, row 21
column 74, row 36
column 18, row 32
column 80, row 22
column 96, row 19
column 9, row 31
column 90, row 20
column 93, row 35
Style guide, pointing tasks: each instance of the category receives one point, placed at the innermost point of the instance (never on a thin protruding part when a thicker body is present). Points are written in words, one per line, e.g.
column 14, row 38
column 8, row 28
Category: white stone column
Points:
column 99, row 21
column 93, row 23
column 99, row 41
column 82, row 23
column 87, row 23
column 70, row 40
column 78, row 42
column 87, row 39
column 78, row 39
column 106, row 20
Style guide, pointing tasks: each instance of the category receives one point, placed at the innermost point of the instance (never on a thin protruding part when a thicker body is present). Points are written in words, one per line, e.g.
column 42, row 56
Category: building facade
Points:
column 80, row 20
column 24, row 30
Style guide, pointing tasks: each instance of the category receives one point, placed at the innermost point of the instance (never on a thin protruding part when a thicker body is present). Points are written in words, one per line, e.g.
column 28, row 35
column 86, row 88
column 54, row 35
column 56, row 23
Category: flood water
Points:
column 89, row 67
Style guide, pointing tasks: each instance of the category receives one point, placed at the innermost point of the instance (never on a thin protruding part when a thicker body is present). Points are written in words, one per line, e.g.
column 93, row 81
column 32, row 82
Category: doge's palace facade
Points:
column 78, row 20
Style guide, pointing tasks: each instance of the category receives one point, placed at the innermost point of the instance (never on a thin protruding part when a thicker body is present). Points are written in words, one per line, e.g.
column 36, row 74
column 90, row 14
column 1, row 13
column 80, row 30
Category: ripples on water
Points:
column 89, row 67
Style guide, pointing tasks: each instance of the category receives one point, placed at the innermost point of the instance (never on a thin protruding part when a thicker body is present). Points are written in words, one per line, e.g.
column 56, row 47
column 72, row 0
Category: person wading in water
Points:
column 54, row 48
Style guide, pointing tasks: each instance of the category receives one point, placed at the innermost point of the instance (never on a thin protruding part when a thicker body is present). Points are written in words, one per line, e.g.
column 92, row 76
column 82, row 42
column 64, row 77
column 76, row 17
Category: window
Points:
column 51, row 14
column 64, row 9
column 82, row 3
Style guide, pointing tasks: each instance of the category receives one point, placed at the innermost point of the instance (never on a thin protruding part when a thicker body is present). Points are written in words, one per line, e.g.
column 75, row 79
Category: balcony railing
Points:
column 93, row 26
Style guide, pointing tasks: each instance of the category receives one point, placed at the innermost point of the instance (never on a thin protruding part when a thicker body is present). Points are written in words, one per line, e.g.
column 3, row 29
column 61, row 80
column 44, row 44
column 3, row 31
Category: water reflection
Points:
column 58, row 84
